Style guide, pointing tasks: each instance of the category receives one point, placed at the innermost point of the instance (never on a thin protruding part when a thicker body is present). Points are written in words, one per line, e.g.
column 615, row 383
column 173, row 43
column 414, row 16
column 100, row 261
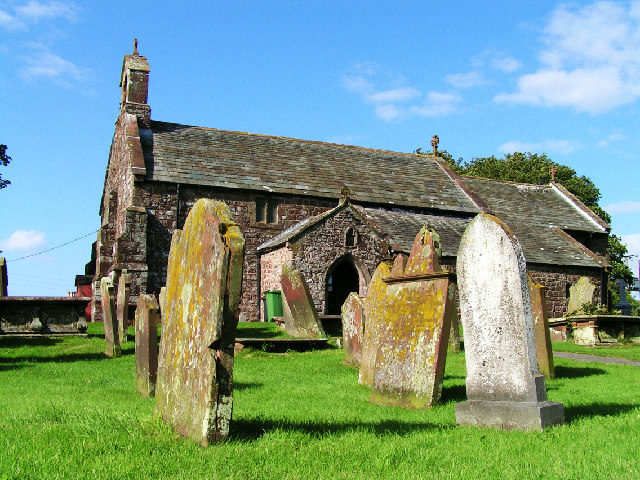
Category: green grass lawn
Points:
column 68, row 412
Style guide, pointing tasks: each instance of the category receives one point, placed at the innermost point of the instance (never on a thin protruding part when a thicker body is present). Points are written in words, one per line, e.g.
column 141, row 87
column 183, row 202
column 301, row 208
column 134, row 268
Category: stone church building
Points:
column 333, row 211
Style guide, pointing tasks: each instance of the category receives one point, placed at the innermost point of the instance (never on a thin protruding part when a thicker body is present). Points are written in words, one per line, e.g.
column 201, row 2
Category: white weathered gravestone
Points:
column 504, row 386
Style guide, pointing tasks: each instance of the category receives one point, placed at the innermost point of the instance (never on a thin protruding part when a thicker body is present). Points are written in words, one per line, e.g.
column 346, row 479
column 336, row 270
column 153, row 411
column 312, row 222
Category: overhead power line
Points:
column 53, row 248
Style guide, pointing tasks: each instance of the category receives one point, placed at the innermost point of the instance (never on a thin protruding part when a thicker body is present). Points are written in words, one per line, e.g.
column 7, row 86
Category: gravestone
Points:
column 580, row 293
column 353, row 322
column 504, row 386
column 109, row 318
column 194, row 389
column 122, row 305
column 374, row 306
column 162, row 300
column 146, row 344
column 300, row 315
column 4, row 278
column 623, row 305
column 414, row 329
column 454, row 335
column 542, row 334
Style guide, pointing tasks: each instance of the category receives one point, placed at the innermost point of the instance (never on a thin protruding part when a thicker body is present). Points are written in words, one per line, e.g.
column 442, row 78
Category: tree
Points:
column 4, row 160
column 536, row 169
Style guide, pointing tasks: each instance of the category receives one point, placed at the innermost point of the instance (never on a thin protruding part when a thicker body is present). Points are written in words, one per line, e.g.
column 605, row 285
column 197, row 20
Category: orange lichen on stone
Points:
column 544, row 351
column 413, row 329
column 374, row 306
column 195, row 367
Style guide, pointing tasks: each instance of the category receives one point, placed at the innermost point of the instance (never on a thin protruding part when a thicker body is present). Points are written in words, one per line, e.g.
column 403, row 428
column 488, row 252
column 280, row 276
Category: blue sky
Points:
column 487, row 77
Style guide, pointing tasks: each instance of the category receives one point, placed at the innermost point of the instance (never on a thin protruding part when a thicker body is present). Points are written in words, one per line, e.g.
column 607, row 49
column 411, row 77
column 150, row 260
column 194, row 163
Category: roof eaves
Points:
column 581, row 207
column 462, row 185
column 602, row 261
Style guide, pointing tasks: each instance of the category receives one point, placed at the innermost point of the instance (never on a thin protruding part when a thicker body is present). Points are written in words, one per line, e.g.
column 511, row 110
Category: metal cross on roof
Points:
column 135, row 47
column 434, row 143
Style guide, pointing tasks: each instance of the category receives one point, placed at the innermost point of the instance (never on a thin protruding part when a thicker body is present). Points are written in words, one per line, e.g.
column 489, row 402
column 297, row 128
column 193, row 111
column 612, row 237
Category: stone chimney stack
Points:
column 134, row 82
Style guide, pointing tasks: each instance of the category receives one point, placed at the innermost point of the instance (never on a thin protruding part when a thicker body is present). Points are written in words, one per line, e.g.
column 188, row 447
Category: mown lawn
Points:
column 68, row 412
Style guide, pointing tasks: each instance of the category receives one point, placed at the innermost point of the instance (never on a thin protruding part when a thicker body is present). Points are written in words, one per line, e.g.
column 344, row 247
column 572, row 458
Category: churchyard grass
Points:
column 69, row 412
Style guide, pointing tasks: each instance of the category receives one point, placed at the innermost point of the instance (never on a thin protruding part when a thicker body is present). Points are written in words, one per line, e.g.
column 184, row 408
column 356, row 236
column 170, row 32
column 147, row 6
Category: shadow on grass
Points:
column 246, row 386
column 21, row 361
column 455, row 393
column 562, row 371
column 258, row 332
column 254, row 429
column 576, row 412
column 20, row 341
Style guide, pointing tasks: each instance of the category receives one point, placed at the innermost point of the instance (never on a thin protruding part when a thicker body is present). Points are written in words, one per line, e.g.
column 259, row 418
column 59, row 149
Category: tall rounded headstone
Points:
column 504, row 386
column 194, row 389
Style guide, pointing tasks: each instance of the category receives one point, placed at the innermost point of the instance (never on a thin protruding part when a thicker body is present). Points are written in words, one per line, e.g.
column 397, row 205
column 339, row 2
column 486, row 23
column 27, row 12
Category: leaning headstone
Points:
column 146, row 344
column 4, row 278
column 122, row 305
column 454, row 335
column 300, row 315
column 374, row 306
column 580, row 293
column 109, row 318
column 413, row 340
column 504, row 386
column 162, row 300
column 194, row 389
column 542, row 334
column 352, row 329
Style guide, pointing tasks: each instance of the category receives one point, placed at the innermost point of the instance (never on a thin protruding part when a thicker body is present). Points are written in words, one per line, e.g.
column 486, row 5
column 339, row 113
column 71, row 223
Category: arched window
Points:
column 351, row 237
column 342, row 279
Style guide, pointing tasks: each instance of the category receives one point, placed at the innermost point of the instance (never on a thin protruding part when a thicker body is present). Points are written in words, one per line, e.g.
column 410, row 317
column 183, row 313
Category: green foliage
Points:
column 535, row 169
column 69, row 412
column 4, row 161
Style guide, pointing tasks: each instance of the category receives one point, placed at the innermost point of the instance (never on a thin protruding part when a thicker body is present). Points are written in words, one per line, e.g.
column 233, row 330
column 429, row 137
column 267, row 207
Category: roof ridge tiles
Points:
column 291, row 139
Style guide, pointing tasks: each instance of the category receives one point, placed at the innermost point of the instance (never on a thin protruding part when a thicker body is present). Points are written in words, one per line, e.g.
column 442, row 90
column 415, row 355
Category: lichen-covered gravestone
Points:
column 414, row 329
column 580, row 293
column 146, row 344
column 504, row 386
column 374, row 306
column 300, row 315
column 194, row 389
column 122, row 305
column 109, row 318
column 541, row 329
column 353, row 323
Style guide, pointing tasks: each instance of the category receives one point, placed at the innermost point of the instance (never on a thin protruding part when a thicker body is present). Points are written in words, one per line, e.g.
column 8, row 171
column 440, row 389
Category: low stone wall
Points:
column 43, row 315
column 596, row 329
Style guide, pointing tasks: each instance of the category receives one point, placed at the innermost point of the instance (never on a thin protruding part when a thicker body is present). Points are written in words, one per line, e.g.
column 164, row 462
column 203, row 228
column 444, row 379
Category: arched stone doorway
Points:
column 342, row 278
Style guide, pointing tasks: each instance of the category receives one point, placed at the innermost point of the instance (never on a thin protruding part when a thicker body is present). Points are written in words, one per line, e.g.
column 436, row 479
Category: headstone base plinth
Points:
column 510, row 415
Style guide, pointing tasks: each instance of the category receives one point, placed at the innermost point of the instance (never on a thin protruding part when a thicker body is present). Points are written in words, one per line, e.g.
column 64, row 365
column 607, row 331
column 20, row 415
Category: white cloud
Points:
column 547, row 146
column 387, row 112
column 591, row 60
column 397, row 95
column 615, row 137
column 633, row 246
column 438, row 104
column 23, row 240
column 47, row 64
column 506, row 64
column 35, row 10
column 465, row 80
column 623, row 207
column 32, row 12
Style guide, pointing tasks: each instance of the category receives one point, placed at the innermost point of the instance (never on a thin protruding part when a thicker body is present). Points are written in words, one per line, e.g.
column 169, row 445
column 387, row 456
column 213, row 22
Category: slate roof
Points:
column 206, row 156
column 540, row 243
column 545, row 205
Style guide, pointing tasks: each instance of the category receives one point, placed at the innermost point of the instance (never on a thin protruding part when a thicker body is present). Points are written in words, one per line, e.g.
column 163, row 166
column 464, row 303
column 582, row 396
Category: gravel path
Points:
column 581, row 357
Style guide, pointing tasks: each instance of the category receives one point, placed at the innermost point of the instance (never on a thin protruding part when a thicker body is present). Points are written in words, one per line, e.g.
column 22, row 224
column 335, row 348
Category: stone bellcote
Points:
column 134, row 82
